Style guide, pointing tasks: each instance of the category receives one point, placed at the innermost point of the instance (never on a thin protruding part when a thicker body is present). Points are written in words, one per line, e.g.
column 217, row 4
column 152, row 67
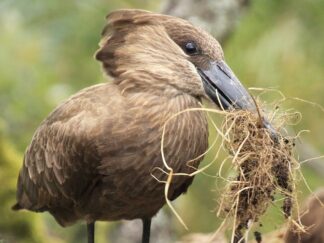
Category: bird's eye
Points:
column 191, row 48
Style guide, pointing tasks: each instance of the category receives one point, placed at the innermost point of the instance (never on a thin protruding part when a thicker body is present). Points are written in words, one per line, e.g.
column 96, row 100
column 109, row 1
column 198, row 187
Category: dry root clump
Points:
column 263, row 161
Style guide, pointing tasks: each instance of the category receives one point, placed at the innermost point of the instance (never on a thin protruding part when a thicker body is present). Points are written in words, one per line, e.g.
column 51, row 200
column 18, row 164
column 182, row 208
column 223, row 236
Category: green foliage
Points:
column 14, row 227
column 46, row 55
column 279, row 44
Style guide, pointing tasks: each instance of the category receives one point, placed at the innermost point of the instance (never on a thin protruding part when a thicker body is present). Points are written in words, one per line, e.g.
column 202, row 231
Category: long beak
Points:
column 224, row 88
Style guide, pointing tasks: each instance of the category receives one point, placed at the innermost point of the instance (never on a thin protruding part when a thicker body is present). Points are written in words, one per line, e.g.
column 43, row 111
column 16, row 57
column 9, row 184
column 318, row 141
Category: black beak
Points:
column 224, row 89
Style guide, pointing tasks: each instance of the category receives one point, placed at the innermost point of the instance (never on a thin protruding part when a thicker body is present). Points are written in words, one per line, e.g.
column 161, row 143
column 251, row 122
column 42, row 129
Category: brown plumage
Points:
column 92, row 157
column 312, row 218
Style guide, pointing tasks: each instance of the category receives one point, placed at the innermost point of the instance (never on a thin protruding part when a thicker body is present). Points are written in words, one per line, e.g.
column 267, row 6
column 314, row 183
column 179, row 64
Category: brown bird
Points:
column 312, row 218
column 92, row 157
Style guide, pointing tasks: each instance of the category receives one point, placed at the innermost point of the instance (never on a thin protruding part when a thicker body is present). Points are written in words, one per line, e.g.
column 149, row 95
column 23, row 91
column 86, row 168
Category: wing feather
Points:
column 60, row 162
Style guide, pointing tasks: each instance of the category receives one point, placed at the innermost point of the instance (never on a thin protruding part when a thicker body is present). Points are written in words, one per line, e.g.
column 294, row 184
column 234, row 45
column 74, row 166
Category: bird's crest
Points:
column 126, row 18
column 120, row 18
column 120, row 25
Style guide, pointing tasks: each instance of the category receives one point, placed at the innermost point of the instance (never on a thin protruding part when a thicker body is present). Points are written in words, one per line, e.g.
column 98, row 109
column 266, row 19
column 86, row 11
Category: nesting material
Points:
column 264, row 167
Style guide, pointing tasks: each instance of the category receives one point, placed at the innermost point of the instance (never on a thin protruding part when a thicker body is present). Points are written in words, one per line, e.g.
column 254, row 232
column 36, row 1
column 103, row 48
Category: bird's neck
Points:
column 165, row 101
column 181, row 112
column 179, row 120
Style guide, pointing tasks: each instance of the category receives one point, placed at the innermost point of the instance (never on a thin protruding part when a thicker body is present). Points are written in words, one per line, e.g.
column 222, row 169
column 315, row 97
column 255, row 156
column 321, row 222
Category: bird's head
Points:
column 144, row 51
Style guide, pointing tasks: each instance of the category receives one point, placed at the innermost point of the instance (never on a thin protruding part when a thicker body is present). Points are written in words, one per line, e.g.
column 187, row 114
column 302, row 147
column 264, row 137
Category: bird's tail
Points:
column 16, row 207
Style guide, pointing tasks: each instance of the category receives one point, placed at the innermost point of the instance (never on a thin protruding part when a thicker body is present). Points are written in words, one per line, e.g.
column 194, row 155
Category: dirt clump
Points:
column 264, row 165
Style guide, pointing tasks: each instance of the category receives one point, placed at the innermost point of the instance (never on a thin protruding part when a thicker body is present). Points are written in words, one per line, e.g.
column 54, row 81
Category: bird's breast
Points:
column 156, row 133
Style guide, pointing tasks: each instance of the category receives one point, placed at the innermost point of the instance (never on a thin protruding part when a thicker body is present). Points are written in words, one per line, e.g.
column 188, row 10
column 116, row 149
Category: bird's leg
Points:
column 146, row 230
column 90, row 230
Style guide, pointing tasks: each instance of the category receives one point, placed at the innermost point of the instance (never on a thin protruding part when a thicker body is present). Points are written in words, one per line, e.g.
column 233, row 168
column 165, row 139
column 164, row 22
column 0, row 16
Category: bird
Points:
column 94, row 156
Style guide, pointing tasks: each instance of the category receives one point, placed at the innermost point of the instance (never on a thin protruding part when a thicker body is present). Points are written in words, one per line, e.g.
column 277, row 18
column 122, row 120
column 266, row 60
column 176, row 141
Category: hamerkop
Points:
column 92, row 157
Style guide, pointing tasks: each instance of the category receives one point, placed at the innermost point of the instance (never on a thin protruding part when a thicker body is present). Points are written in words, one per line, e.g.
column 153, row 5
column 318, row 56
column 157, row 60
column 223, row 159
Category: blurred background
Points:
column 46, row 55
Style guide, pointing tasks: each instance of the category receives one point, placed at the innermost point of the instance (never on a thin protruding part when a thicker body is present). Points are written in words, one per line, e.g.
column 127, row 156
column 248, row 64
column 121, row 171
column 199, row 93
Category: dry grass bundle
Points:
column 265, row 167
column 262, row 158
